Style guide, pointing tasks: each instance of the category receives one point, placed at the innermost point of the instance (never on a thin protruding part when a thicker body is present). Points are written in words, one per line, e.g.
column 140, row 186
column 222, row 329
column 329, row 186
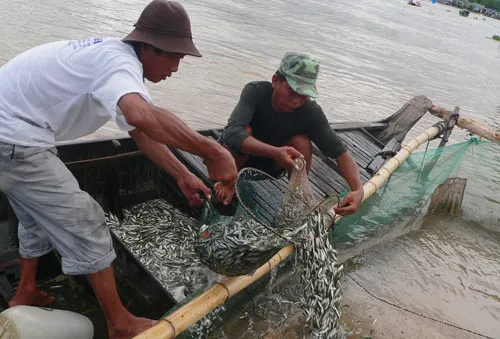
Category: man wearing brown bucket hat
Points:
column 68, row 89
column 275, row 122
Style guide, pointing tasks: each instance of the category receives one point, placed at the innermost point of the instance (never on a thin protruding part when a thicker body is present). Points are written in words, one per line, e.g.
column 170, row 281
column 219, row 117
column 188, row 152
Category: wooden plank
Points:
column 195, row 164
column 357, row 124
column 354, row 146
column 320, row 188
column 362, row 150
column 387, row 152
column 332, row 190
column 358, row 156
column 321, row 169
column 362, row 142
column 316, row 178
column 332, row 177
column 372, row 138
column 329, row 175
column 367, row 142
column 364, row 175
column 328, row 167
column 264, row 202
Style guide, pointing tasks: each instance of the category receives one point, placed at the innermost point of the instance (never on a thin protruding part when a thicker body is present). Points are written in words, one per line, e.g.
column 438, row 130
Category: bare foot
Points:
column 130, row 328
column 224, row 193
column 32, row 298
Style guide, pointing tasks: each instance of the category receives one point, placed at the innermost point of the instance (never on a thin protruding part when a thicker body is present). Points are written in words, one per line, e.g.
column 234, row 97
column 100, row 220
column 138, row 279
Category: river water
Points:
column 375, row 55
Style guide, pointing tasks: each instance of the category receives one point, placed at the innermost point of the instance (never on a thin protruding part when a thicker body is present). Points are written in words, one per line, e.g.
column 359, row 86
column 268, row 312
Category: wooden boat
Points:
column 117, row 175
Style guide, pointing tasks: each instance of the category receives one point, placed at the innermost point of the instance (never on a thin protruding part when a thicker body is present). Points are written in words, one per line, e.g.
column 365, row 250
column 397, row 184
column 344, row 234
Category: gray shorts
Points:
column 53, row 211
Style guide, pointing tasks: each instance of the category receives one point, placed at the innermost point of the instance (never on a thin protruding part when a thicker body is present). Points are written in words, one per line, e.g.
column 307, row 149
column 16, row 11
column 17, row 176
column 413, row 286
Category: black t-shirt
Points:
column 255, row 109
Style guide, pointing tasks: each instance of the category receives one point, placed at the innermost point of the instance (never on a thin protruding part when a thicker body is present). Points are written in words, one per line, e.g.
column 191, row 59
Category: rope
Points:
column 227, row 290
column 171, row 325
column 416, row 313
column 423, row 158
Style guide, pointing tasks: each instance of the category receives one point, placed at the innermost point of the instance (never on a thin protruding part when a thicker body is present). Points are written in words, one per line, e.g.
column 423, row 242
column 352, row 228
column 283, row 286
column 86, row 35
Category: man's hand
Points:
column 221, row 166
column 191, row 186
column 286, row 155
column 350, row 203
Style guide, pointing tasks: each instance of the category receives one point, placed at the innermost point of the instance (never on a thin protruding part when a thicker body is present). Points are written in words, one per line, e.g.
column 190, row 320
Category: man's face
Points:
column 159, row 66
column 285, row 99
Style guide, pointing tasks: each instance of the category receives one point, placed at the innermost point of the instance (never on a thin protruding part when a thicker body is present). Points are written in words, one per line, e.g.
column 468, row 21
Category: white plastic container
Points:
column 28, row 322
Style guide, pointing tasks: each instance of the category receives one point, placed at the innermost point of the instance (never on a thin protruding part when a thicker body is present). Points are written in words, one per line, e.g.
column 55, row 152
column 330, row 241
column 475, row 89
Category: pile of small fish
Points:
column 320, row 279
column 171, row 247
column 236, row 246
column 163, row 239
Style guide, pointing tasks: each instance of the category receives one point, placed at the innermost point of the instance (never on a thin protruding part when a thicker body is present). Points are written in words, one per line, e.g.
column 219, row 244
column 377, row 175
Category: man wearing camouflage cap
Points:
column 67, row 89
column 275, row 122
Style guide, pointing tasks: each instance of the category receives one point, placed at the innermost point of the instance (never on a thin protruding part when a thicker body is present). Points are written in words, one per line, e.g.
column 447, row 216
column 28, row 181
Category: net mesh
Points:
column 269, row 215
column 400, row 200
column 389, row 213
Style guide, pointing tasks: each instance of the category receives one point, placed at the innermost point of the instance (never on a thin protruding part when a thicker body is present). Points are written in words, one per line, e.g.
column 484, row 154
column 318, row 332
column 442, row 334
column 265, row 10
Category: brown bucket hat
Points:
column 165, row 25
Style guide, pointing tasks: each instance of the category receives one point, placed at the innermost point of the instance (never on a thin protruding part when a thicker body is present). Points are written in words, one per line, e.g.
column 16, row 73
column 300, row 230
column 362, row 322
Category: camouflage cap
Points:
column 301, row 71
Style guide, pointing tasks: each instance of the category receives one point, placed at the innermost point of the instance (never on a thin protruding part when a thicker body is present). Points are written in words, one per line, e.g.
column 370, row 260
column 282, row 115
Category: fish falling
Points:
column 240, row 244
column 320, row 279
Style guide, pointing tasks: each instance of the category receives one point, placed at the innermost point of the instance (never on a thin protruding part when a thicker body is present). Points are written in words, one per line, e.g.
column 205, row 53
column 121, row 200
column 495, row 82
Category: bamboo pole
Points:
column 468, row 124
column 188, row 314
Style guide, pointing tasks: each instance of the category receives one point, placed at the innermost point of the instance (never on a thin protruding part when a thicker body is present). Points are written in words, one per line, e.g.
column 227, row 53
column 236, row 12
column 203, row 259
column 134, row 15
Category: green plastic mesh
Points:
column 401, row 199
column 268, row 208
column 405, row 195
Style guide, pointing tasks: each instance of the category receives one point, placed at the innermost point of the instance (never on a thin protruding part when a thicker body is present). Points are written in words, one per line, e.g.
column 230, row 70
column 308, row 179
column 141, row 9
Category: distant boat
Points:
column 464, row 12
column 415, row 3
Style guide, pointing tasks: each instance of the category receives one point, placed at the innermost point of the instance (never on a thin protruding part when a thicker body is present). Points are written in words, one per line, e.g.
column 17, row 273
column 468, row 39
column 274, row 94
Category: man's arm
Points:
column 236, row 130
column 163, row 126
column 159, row 154
column 283, row 155
column 189, row 184
column 331, row 145
column 253, row 146
column 166, row 128
column 349, row 170
column 239, row 140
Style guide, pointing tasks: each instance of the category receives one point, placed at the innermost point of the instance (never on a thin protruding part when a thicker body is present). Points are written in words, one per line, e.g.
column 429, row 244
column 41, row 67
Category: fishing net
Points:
column 399, row 204
column 269, row 215
column 387, row 214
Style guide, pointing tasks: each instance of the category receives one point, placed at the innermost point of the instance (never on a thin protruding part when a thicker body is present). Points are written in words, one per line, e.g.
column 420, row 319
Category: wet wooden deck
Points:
column 370, row 143
column 324, row 176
